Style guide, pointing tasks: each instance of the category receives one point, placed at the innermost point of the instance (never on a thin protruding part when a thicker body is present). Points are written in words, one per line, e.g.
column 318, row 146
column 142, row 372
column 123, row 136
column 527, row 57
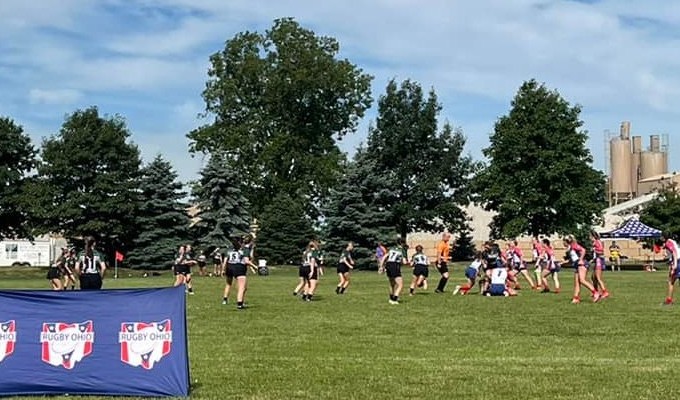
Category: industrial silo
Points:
column 625, row 130
column 635, row 163
column 652, row 163
column 654, row 143
column 621, row 159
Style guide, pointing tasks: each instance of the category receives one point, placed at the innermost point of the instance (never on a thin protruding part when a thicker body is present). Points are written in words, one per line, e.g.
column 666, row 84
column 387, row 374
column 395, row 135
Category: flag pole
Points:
column 115, row 273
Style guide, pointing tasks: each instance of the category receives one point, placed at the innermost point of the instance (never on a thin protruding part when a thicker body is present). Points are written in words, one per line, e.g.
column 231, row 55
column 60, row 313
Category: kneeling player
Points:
column 498, row 286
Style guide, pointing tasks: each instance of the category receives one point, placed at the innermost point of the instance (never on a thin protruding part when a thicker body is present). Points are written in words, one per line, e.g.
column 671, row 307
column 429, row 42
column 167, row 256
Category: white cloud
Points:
column 596, row 54
column 55, row 96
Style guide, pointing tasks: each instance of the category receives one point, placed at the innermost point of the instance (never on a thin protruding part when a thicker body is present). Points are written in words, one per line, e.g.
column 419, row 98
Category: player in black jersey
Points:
column 235, row 267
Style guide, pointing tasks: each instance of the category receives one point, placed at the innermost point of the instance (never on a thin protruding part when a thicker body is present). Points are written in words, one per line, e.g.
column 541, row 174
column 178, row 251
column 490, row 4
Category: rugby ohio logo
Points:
column 144, row 344
column 8, row 336
column 65, row 344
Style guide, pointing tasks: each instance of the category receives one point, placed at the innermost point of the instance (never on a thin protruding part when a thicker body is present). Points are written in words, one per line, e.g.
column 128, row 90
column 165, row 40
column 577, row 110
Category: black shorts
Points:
column 236, row 270
column 182, row 269
column 315, row 275
column 393, row 270
column 343, row 268
column 519, row 267
column 53, row 273
column 421, row 270
column 90, row 282
column 303, row 272
column 442, row 267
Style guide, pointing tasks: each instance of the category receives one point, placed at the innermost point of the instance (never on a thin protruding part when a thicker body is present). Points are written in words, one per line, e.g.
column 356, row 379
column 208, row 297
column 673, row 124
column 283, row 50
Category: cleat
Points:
column 668, row 302
column 456, row 290
column 605, row 295
column 596, row 297
column 224, row 302
column 575, row 300
column 546, row 290
column 393, row 302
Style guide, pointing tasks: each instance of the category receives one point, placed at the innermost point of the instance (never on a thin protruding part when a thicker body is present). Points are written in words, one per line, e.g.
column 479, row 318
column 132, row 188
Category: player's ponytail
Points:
column 89, row 246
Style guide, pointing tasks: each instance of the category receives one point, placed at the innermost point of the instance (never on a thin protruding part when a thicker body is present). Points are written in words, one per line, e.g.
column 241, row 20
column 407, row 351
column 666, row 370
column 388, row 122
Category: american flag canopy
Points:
column 633, row 228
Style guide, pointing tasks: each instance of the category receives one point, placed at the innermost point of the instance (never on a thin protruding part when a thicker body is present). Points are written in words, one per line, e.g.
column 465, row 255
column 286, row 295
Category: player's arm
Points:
column 312, row 265
column 582, row 257
column 381, row 266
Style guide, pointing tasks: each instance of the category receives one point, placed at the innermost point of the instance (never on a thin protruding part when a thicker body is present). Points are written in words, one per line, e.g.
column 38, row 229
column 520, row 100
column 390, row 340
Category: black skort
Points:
column 393, row 270
column 343, row 268
column 236, row 270
column 90, row 282
column 182, row 269
column 421, row 270
column 53, row 273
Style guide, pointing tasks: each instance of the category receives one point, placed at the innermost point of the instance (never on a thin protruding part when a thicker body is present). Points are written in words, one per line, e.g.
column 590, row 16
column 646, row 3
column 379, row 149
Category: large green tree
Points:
column 222, row 210
column 664, row 211
column 423, row 167
column 280, row 100
column 89, row 179
column 355, row 211
column 285, row 230
column 17, row 159
column 540, row 178
column 162, row 218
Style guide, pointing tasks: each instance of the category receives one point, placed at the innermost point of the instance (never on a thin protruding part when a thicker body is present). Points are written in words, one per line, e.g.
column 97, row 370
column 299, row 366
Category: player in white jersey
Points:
column 420, row 264
column 498, row 286
column 471, row 274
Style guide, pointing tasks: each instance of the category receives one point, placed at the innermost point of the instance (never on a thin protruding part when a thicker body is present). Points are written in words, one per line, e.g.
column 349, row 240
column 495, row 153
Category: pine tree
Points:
column 354, row 211
column 222, row 208
column 284, row 231
column 162, row 220
column 464, row 249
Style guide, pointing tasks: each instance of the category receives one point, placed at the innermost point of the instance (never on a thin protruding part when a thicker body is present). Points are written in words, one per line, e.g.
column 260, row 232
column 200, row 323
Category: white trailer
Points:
column 22, row 252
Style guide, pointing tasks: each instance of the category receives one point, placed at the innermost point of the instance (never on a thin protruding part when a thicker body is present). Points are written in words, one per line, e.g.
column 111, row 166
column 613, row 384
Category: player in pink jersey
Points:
column 536, row 253
column 599, row 264
column 576, row 255
column 671, row 248
column 550, row 267
column 516, row 259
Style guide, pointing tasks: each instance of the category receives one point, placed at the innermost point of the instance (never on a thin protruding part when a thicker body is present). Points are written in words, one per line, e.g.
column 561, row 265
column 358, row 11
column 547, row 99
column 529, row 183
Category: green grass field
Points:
column 357, row 346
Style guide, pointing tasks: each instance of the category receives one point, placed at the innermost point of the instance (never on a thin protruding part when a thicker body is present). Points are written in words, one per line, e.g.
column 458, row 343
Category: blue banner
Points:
column 107, row 342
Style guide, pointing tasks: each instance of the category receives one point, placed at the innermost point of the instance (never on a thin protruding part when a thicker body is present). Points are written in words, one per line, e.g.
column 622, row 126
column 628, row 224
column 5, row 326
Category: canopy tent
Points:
column 632, row 229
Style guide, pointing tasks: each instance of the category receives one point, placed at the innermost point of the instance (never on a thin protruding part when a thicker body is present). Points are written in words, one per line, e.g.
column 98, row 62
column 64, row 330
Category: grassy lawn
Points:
column 357, row 346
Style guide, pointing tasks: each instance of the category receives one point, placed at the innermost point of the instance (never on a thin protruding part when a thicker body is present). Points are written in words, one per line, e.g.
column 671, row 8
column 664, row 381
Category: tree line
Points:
column 278, row 103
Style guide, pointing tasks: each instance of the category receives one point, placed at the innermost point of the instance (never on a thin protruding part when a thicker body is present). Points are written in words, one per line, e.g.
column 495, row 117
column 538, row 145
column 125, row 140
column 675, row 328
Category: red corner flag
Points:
column 119, row 256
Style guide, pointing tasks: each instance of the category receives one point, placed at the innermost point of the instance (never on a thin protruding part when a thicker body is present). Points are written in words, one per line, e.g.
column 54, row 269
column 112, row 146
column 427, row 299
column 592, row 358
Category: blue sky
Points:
column 147, row 60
